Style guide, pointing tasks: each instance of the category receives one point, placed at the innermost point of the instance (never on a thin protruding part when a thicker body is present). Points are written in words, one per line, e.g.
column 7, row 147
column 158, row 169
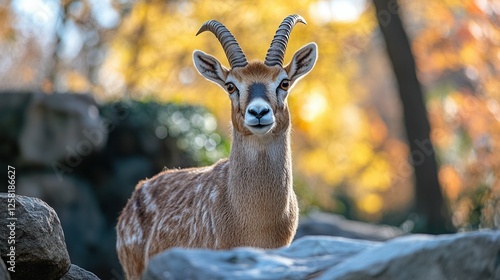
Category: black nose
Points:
column 258, row 113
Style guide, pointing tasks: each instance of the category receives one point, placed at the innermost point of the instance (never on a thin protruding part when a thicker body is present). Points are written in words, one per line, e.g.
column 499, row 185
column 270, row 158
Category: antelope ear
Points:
column 210, row 68
column 302, row 62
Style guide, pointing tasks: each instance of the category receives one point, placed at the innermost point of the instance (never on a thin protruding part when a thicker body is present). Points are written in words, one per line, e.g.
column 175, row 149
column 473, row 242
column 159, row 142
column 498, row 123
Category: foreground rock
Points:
column 305, row 257
column 77, row 273
column 460, row 256
column 40, row 251
column 34, row 230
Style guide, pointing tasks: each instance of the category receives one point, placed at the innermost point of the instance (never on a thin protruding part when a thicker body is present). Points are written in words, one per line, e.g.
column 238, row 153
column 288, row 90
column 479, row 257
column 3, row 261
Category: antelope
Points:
column 246, row 200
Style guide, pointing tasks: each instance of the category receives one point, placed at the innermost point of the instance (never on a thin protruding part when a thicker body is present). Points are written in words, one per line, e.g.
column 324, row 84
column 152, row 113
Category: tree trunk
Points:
column 433, row 215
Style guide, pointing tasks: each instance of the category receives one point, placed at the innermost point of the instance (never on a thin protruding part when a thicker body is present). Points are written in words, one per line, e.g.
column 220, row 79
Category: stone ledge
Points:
column 454, row 256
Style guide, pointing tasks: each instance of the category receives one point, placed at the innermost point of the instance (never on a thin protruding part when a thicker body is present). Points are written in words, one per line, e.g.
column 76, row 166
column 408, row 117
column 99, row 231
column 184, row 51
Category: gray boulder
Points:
column 77, row 273
column 460, row 256
column 40, row 251
column 465, row 256
column 303, row 258
column 319, row 223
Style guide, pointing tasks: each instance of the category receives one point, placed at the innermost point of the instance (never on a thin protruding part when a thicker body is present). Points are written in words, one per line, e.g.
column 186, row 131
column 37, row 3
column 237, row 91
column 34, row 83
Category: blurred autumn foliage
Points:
column 350, row 152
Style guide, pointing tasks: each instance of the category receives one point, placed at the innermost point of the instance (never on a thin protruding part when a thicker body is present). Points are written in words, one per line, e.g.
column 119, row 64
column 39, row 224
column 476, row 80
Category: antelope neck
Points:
column 261, row 166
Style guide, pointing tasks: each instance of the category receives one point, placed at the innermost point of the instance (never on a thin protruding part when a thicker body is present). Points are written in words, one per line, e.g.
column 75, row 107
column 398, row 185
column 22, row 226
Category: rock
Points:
column 77, row 273
column 4, row 274
column 318, row 223
column 40, row 251
column 62, row 128
column 473, row 255
column 303, row 258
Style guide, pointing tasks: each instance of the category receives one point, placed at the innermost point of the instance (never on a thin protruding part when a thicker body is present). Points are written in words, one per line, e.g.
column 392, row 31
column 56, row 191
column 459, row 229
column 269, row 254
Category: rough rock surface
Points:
column 460, row 256
column 77, row 273
column 42, row 253
column 305, row 257
column 319, row 223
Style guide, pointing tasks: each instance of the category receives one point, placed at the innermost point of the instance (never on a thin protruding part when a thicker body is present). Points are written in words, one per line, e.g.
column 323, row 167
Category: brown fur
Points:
column 247, row 200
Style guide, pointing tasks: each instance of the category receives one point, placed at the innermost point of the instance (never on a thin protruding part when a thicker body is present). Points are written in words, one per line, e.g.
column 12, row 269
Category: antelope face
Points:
column 256, row 97
column 258, row 90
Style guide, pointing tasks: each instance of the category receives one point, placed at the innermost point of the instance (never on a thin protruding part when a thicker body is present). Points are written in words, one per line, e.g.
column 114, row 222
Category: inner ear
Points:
column 210, row 68
column 302, row 62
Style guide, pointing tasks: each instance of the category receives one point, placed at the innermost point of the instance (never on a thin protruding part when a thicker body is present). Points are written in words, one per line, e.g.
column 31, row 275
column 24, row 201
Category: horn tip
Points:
column 300, row 19
column 204, row 26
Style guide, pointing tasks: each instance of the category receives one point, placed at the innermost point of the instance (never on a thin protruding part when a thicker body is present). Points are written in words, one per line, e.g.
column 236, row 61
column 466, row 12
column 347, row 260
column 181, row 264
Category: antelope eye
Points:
column 230, row 87
column 285, row 84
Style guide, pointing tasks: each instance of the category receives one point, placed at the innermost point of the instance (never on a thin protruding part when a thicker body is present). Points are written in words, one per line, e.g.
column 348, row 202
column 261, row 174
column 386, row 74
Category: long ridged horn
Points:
column 232, row 49
column 276, row 51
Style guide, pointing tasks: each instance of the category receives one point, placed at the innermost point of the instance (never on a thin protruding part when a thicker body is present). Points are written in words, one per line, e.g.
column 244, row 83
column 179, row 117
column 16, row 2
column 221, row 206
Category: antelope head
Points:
column 258, row 90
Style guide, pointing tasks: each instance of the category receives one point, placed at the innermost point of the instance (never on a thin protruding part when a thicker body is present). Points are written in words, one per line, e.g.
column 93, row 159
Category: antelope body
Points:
column 247, row 200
